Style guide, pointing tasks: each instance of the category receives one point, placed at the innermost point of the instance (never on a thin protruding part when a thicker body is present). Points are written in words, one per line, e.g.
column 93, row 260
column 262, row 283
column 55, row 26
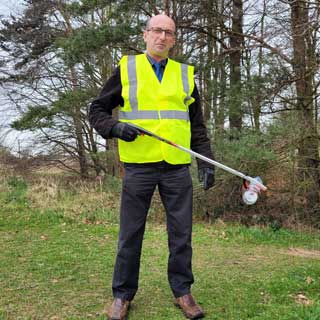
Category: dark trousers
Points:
column 175, row 189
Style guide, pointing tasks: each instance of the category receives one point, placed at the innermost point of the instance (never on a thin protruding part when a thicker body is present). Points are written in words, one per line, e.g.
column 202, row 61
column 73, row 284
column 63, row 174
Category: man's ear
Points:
column 145, row 33
column 173, row 43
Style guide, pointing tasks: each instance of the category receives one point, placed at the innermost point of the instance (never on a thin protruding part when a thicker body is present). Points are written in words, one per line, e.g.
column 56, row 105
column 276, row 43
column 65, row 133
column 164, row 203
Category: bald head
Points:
column 161, row 18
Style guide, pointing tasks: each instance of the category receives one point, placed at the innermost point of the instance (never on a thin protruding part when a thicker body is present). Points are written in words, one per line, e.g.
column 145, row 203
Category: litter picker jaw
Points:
column 200, row 156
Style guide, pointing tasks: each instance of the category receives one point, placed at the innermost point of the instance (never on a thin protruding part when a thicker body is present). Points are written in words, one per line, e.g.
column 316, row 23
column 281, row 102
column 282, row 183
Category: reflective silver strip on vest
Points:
column 174, row 114
column 186, row 87
column 136, row 114
column 132, row 75
column 154, row 115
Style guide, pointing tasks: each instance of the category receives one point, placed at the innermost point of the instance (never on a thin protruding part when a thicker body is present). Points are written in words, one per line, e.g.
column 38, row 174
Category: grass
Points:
column 57, row 264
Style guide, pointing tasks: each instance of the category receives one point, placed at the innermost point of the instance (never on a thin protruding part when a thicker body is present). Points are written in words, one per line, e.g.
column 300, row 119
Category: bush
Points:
column 252, row 154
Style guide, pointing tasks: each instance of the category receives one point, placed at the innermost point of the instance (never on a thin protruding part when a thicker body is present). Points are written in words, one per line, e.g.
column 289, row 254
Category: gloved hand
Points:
column 206, row 175
column 124, row 132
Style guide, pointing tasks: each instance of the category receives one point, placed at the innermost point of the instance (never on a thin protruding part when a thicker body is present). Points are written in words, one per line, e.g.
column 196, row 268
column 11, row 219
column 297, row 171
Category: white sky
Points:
column 10, row 138
column 10, row 6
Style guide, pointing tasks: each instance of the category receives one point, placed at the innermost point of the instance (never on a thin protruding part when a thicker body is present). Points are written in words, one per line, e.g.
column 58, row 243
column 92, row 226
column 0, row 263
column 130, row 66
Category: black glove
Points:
column 206, row 175
column 124, row 132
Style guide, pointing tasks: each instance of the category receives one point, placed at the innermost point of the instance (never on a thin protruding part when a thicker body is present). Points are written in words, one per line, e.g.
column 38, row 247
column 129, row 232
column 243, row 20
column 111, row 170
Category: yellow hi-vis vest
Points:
column 160, row 107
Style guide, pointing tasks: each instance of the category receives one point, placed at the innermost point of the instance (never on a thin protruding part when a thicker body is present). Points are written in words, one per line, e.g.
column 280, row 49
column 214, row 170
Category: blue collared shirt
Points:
column 163, row 64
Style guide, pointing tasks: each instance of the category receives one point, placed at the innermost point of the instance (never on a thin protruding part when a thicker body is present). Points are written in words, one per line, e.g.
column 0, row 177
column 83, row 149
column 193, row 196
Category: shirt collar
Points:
column 152, row 61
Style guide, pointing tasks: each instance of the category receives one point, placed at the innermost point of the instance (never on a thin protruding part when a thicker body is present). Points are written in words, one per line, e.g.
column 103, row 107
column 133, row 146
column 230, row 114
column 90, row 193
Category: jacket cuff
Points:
column 203, row 164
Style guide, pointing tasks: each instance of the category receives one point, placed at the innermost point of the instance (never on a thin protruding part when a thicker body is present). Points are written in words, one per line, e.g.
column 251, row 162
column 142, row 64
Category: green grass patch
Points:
column 57, row 257
column 56, row 268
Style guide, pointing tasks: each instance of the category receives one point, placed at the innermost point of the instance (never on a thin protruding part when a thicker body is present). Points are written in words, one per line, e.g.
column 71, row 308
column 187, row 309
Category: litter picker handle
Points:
column 200, row 156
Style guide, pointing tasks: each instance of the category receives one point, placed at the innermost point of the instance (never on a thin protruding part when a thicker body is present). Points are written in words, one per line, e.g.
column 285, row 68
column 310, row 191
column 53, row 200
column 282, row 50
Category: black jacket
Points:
column 100, row 116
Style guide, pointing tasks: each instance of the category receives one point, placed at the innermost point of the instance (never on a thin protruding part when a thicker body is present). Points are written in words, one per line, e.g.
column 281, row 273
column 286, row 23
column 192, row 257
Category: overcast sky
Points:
column 8, row 6
column 9, row 138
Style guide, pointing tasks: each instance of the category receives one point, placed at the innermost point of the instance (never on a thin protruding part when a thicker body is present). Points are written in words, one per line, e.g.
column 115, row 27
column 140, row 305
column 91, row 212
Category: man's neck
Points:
column 156, row 58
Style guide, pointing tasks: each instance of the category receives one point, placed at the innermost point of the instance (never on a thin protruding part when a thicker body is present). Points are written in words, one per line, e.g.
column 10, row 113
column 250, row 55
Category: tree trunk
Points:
column 78, row 127
column 76, row 112
column 304, row 72
column 236, row 41
column 256, row 104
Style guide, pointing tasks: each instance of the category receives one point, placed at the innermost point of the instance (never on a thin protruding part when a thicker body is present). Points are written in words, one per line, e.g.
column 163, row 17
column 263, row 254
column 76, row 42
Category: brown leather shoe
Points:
column 119, row 309
column 189, row 307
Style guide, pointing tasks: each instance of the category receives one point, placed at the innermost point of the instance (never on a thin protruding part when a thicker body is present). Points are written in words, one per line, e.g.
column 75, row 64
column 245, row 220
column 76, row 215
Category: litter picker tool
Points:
column 254, row 181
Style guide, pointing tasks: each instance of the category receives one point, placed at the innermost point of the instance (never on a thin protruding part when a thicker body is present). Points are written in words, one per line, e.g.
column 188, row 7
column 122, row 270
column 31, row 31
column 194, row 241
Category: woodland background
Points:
column 257, row 66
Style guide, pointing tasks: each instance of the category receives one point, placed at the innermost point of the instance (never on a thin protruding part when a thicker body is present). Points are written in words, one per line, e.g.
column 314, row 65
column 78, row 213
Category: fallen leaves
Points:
column 309, row 280
column 302, row 299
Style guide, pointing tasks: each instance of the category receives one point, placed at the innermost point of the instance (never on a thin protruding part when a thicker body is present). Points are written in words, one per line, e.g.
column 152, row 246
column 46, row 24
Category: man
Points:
column 158, row 94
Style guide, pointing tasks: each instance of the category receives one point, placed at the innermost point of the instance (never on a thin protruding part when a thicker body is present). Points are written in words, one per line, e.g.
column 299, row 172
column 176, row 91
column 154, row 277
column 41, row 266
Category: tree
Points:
column 255, row 61
column 236, row 46
column 68, row 49
column 304, row 66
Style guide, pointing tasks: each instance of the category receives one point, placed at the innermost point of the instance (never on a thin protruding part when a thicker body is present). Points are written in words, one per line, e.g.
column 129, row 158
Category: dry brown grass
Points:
column 74, row 197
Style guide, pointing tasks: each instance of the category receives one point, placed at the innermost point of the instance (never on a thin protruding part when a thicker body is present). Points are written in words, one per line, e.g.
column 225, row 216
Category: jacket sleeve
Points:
column 200, row 142
column 100, row 112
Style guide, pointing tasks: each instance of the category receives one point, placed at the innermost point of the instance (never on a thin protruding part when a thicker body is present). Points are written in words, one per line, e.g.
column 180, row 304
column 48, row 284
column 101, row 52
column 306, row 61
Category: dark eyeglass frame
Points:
column 159, row 31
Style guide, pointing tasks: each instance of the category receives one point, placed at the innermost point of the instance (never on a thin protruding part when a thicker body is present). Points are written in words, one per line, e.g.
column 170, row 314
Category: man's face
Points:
column 159, row 36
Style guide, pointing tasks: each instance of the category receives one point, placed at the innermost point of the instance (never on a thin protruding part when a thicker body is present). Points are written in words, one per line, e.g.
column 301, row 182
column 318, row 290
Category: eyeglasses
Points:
column 159, row 31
